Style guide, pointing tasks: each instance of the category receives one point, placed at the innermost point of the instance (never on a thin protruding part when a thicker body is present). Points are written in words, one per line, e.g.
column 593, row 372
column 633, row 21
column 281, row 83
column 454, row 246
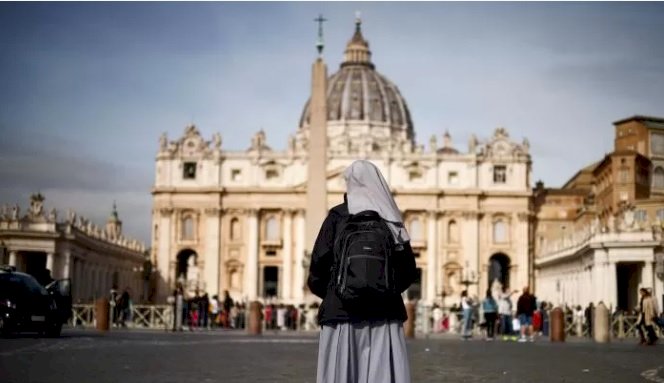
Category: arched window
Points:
column 500, row 231
column 415, row 229
column 658, row 178
column 188, row 228
column 452, row 232
column 235, row 229
column 272, row 229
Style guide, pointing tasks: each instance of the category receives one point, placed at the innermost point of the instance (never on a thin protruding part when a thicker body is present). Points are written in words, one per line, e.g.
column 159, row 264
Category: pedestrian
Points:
column 362, row 312
column 437, row 316
column 269, row 312
column 235, row 316
column 544, row 311
column 228, row 304
column 525, row 308
column 113, row 299
column 214, row 311
column 281, row 317
column 646, row 319
column 467, row 311
column 124, row 308
column 490, row 309
column 203, row 310
column 505, row 312
column 579, row 318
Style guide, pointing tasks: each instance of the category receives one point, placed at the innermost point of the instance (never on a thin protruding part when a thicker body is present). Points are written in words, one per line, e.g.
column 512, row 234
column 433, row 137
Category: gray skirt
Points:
column 367, row 352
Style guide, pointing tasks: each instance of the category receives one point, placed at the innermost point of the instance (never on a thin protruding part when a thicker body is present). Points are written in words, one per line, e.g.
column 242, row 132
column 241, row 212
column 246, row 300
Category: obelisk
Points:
column 317, row 146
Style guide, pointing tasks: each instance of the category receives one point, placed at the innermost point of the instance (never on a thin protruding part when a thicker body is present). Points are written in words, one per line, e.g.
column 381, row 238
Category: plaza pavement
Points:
column 129, row 356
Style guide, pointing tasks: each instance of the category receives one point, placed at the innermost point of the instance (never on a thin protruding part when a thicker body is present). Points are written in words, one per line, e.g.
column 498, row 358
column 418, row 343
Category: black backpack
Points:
column 363, row 269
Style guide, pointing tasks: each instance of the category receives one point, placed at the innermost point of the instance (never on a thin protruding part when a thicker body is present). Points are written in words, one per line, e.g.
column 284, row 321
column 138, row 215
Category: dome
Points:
column 357, row 95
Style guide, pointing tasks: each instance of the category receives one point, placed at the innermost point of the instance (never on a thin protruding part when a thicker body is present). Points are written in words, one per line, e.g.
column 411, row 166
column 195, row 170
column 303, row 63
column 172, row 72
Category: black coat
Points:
column 332, row 309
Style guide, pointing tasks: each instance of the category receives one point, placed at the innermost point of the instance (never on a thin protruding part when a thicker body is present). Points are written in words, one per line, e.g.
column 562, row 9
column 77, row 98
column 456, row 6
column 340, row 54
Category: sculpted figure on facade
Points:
column 52, row 215
column 433, row 143
column 525, row 145
column 472, row 144
column 611, row 224
column 15, row 212
column 36, row 205
column 163, row 142
column 216, row 140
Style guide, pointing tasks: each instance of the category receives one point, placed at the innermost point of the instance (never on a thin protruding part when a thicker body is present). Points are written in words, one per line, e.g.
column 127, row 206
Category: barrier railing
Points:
column 622, row 326
column 161, row 317
column 140, row 316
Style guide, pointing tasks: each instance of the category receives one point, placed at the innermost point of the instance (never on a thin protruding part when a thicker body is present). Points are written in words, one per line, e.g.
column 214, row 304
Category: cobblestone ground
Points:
column 142, row 356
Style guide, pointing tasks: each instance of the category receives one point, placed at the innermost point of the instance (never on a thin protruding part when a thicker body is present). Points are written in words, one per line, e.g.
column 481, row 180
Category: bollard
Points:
column 601, row 330
column 621, row 325
column 557, row 325
column 409, row 324
column 179, row 303
column 255, row 315
column 102, row 311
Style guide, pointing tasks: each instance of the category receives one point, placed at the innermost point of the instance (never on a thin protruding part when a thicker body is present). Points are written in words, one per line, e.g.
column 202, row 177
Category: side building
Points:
column 599, row 237
column 93, row 258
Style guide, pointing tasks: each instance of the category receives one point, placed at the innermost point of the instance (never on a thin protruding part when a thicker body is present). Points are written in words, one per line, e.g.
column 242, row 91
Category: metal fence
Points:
column 161, row 317
column 140, row 316
column 622, row 325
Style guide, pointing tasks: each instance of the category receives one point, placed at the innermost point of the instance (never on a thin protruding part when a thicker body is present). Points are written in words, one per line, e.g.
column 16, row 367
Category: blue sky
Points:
column 87, row 88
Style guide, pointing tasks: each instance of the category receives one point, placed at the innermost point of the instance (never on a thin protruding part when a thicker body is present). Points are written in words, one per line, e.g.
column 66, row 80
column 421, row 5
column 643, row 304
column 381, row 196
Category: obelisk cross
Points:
column 319, row 44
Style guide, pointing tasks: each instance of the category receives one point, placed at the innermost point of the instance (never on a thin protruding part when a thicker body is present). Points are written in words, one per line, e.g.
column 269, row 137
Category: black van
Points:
column 25, row 305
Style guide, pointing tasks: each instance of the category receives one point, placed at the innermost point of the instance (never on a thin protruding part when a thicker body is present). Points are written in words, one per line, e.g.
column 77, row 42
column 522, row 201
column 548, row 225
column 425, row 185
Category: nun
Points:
column 362, row 344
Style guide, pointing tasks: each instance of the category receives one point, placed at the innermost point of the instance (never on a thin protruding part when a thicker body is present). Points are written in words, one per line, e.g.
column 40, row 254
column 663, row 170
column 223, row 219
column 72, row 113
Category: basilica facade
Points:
column 236, row 219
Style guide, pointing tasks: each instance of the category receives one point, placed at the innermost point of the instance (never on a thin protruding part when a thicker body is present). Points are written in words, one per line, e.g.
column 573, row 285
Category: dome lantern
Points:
column 357, row 50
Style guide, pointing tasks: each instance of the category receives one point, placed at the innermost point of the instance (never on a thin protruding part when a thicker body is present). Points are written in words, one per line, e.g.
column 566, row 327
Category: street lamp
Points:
column 470, row 277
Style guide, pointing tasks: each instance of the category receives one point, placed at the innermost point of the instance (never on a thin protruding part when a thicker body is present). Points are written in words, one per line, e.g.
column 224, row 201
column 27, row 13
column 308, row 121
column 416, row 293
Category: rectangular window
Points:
column 660, row 215
column 640, row 215
column 236, row 175
column 271, row 253
column 453, row 178
column 271, row 174
column 624, row 176
column 499, row 174
column 189, row 171
column 415, row 176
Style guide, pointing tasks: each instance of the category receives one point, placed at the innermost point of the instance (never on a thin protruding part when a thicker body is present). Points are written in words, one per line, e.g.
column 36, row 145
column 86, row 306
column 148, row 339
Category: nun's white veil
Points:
column 368, row 190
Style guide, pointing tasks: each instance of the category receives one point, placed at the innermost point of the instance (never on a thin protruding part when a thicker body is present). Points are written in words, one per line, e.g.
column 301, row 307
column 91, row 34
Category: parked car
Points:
column 25, row 305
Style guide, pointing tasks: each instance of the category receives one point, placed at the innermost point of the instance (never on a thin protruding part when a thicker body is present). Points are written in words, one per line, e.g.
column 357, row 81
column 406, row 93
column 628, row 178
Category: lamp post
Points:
column 144, row 273
column 469, row 278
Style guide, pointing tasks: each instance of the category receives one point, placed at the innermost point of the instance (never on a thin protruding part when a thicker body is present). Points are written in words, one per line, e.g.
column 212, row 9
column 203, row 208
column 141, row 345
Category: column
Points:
column 251, row 268
column 524, row 276
column 66, row 264
column 471, row 239
column 599, row 269
column 647, row 276
column 49, row 264
column 12, row 258
column 298, row 292
column 212, row 228
column 432, row 253
column 287, row 279
column 611, row 286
